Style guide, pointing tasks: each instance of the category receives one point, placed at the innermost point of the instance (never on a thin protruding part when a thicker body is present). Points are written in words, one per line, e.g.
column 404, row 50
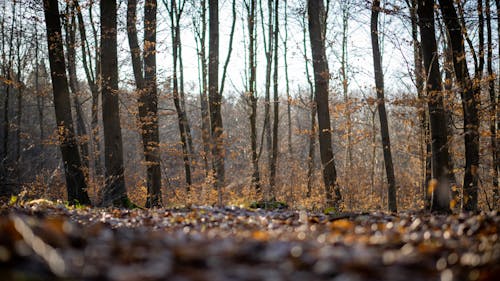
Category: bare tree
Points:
column 75, row 179
column 214, row 97
column 251, row 6
column 147, row 90
column 384, row 125
column 437, row 116
column 114, row 192
column 316, row 12
column 470, row 93
column 274, row 150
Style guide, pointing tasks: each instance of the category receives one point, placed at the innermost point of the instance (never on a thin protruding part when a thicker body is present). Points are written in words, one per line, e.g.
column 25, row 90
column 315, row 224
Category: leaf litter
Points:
column 53, row 242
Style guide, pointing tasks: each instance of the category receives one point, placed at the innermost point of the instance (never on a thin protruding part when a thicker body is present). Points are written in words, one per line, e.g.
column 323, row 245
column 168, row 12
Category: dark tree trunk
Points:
column 438, row 122
column 214, row 96
column 422, row 111
column 114, row 192
column 205, row 118
column 75, row 179
column 470, row 102
column 316, row 11
column 147, row 96
column 268, row 48
column 274, row 151
column 94, row 89
column 493, row 105
column 175, row 14
column 81, row 129
column 252, row 69
column 384, row 126
column 312, row 131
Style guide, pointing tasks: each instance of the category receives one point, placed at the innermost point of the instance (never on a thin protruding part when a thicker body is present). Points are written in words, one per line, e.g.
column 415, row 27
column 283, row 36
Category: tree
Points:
column 175, row 12
column 251, row 6
column 92, row 79
column 316, row 12
column 81, row 129
column 469, row 92
column 214, row 97
column 437, row 116
column 148, row 97
column 75, row 179
column 274, row 150
column 384, row 126
column 114, row 192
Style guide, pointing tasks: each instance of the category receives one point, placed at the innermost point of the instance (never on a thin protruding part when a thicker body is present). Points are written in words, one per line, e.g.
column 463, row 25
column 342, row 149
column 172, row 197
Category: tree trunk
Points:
column 81, row 130
column 274, row 151
column 215, row 98
column 175, row 14
column 287, row 84
column 470, row 94
column 75, row 179
column 312, row 132
column 148, row 100
column 345, row 87
column 94, row 89
column 252, row 68
column 268, row 49
column 384, row 126
column 440, row 167
column 493, row 105
column 114, row 192
column 205, row 118
column 316, row 11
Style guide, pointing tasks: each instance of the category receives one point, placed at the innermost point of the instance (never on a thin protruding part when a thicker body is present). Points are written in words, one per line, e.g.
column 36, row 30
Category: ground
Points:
column 41, row 240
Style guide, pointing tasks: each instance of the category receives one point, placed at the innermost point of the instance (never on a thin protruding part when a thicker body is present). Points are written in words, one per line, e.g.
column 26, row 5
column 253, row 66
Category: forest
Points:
column 307, row 139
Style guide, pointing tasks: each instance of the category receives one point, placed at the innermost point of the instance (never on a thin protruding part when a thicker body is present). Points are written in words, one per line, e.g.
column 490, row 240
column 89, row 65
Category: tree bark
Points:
column 493, row 105
column 252, row 70
column 274, row 151
column 175, row 14
column 384, row 126
column 94, row 89
column 316, row 11
column 114, row 192
column 470, row 102
column 215, row 98
column 81, row 129
column 75, row 179
column 439, row 137
column 148, row 107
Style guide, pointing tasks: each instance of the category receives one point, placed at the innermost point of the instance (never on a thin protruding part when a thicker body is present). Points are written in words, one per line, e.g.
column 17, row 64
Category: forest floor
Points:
column 41, row 240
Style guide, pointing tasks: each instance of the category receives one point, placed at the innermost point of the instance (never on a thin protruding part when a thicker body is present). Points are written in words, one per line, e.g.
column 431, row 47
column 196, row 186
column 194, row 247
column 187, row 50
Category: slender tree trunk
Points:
column 345, row 86
column 316, row 12
column 422, row 111
column 287, row 84
column 114, row 192
column 215, row 98
column 470, row 95
column 205, row 118
column 274, row 154
column 252, row 69
column 493, row 105
column 496, row 194
column 384, row 126
column 439, row 190
column 75, row 179
column 149, row 100
column 94, row 89
column 312, row 132
column 81, row 130
column 268, row 48
column 175, row 15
